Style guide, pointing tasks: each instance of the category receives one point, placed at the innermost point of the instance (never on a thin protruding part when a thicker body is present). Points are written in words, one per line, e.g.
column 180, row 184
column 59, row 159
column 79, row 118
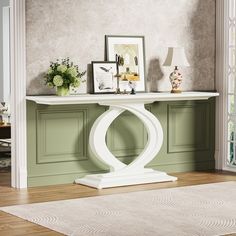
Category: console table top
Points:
column 113, row 98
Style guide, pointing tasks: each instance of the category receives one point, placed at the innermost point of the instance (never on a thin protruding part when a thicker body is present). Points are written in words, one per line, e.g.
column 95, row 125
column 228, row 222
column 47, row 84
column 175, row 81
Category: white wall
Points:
column 4, row 51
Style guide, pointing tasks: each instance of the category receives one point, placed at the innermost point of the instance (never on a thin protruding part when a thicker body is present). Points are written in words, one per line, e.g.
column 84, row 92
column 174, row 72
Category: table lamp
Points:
column 176, row 57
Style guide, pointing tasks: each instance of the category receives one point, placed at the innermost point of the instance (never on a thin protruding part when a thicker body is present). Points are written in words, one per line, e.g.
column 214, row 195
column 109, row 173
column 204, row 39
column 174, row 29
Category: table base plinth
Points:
column 100, row 181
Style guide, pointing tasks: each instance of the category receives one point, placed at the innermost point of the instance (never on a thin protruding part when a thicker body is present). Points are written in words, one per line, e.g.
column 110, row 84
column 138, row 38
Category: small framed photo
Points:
column 104, row 80
column 129, row 52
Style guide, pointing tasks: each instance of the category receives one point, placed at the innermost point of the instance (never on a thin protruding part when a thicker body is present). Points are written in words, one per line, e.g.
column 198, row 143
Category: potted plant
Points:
column 63, row 75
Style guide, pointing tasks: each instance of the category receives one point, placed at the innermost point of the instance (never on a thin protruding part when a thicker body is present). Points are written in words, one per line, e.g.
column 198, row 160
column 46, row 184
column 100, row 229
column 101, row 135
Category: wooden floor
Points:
column 11, row 225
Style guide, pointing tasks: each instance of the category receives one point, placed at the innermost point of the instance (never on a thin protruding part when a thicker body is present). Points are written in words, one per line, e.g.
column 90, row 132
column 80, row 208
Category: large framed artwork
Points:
column 104, row 80
column 129, row 52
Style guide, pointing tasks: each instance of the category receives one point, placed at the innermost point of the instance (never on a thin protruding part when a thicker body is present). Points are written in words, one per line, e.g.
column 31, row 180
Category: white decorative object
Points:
column 5, row 113
column 176, row 57
column 122, row 174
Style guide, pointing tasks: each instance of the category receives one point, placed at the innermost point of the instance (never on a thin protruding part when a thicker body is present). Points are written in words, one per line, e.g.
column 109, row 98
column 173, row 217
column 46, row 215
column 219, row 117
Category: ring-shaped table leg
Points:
column 122, row 174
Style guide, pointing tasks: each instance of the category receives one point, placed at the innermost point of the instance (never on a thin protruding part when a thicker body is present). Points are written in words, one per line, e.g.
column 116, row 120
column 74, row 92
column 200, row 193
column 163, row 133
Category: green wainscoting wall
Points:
column 58, row 150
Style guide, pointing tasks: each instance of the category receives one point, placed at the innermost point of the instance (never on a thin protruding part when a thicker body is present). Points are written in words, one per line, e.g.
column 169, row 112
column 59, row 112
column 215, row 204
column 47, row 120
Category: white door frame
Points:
column 222, row 45
column 18, row 93
column 6, row 53
column 221, row 101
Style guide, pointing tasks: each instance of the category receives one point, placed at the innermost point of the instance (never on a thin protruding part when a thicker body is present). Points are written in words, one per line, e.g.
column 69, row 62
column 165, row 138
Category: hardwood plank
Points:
column 11, row 225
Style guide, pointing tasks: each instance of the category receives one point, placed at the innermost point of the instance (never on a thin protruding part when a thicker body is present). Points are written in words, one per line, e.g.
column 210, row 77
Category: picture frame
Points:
column 129, row 52
column 104, row 80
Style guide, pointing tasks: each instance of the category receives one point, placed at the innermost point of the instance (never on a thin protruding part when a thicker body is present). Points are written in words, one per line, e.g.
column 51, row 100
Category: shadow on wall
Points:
column 89, row 79
column 38, row 83
column 202, row 57
column 154, row 75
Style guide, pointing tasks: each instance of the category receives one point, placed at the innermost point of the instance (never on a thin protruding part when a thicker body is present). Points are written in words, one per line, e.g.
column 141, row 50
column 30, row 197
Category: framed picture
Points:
column 104, row 80
column 129, row 52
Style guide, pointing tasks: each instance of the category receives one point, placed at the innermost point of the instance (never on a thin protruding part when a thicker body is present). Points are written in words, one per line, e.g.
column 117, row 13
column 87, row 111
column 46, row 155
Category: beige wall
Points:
column 76, row 28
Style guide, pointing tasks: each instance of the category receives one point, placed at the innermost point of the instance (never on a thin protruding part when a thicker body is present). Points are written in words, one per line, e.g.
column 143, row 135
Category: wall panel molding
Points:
column 188, row 127
column 61, row 136
column 125, row 138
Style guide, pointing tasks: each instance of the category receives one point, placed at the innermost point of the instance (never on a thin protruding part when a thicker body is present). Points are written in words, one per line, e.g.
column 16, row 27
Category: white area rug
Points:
column 208, row 209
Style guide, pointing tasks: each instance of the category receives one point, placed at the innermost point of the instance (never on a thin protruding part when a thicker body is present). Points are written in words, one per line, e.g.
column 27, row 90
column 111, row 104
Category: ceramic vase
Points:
column 63, row 91
column 176, row 80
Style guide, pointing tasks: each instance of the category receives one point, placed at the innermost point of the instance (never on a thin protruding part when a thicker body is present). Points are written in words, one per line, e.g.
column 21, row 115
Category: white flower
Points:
column 62, row 68
column 50, row 71
column 58, row 80
column 72, row 71
column 50, row 85
column 76, row 83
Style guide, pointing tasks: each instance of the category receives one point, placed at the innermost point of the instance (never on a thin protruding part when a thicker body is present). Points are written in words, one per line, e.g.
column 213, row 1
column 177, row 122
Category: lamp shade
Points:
column 176, row 57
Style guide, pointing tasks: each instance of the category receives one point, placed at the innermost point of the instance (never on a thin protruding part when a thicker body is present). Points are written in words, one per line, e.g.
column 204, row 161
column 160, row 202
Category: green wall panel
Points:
column 58, row 149
column 126, row 136
column 61, row 136
column 188, row 127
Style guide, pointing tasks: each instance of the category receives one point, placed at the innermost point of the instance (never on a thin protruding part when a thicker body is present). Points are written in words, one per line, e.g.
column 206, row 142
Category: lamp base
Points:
column 176, row 91
column 175, row 80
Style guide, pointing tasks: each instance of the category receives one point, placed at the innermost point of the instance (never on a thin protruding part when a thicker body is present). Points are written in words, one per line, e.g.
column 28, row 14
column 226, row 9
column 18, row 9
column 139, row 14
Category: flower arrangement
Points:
column 63, row 75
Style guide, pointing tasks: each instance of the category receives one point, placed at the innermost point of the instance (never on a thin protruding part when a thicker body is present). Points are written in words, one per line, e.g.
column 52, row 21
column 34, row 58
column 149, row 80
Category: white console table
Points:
column 121, row 174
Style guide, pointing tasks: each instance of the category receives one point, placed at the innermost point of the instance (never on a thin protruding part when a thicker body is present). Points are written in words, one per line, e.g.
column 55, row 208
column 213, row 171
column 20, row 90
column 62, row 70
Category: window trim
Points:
column 222, row 55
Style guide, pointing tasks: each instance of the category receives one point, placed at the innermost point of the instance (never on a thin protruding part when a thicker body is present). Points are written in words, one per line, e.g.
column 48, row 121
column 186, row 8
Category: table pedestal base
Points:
column 100, row 181
column 135, row 172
